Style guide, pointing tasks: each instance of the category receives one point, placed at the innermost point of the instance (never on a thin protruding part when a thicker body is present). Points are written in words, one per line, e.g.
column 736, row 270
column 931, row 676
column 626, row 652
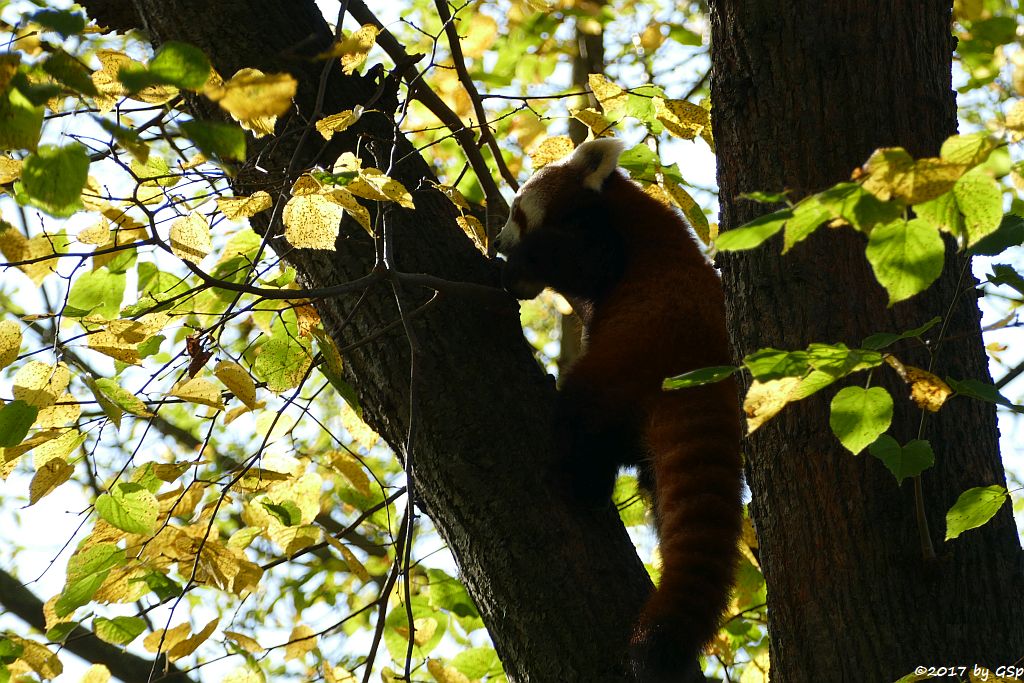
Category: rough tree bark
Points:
column 461, row 400
column 803, row 93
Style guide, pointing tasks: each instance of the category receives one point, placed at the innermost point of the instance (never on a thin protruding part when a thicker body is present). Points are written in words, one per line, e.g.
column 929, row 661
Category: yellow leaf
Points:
column 245, row 674
column 362, row 434
column 354, row 48
column 190, row 237
column 190, row 644
column 306, row 185
column 10, row 342
column 347, row 163
column 236, row 208
column 10, row 169
column 608, row 95
column 55, row 448
column 472, row 226
column 694, row 214
column 1015, row 120
column 550, row 150
column 651, row 38
column 63, row 412
column 681, row 118
column 9, row 62
column 170, row 637
column 338, row 674
column 453, row 194
column 892, row 173
column 765, row 399
column 600, row 127
column 16, row 247
column 353, row 563
column 112, row 90
column 97, row 673
column 480, row 35
column 301, row 642
column 36, row 657
column 312, row 222
column 371, row 183
column 245, row 642
column 198, row 390
column 122, row 585
column 927, row 391
column 345, row 199
column 335, row 123
column 253, row 98
column 238, row 380
column 48, row 477
column 39, row 384
column 97, row 235
column 445, row 674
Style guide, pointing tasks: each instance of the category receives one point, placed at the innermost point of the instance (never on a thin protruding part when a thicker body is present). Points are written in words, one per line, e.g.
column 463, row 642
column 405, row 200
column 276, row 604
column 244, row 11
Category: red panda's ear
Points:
column 597, row 160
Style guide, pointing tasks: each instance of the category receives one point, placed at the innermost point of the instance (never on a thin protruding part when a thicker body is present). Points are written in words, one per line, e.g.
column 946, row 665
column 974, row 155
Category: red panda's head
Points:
column 559, row 185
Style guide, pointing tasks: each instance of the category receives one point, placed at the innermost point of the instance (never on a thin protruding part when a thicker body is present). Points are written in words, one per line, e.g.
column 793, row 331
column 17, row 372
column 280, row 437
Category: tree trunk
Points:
column 803, row 93
column 460, row 399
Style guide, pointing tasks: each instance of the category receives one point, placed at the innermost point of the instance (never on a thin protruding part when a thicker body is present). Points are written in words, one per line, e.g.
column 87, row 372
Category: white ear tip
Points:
column 597, row 159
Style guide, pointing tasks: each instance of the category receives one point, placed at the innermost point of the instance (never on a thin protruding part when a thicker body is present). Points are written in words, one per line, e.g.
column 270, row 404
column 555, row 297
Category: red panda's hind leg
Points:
column 592, row 442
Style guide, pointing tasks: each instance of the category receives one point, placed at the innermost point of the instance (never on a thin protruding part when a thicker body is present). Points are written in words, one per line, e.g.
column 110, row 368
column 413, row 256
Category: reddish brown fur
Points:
column 662, row 316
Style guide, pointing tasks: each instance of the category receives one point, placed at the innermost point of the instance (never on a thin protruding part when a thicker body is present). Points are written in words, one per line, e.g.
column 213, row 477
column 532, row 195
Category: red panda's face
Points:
column 559, row 188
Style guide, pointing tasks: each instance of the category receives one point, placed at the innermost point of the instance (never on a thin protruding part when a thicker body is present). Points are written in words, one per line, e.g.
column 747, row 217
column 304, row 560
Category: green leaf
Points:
column 906, row 257
column 754, row 233
column 943, row 213
column 64, row 22
column 53, row 178
column 96, row 292
column 1005, row 274
column 87, row 570
column 839, row 361
column 130, row 507
column 808, row 215
column 61, row 631
column 858, row 207
column 859, row 416
column 181, row 65
column 282, row 363
column 161, row 584
column 981, row 202
column 696, row 378
column 903, row 461
column 1010, row 233
column 122, row 398
column 768, row 364
column 20, row 121
column 119, row 630
column 223, row 140
column 983, row 391
column 970, row 150
column 286, row 512
column 397, row 631
column 973, row 508
column 16, row 419
column 69, row 71
column 764, row 197
column 883, row 339
column 477, row 662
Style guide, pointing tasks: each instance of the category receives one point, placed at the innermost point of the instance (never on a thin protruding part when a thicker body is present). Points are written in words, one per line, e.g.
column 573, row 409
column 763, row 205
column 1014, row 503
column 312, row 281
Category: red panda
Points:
column 652, row 307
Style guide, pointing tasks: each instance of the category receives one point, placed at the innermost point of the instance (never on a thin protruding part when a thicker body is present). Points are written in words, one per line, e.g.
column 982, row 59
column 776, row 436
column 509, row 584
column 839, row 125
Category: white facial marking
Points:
column 509, row 235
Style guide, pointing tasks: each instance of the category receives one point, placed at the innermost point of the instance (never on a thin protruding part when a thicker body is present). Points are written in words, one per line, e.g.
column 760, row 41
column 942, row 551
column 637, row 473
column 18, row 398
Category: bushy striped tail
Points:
column 694, row 438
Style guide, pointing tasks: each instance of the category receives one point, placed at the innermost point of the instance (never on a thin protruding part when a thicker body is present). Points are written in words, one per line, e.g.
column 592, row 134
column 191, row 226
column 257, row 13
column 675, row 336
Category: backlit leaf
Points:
column 754, row 233
column 550, row 150
column 16, row 418
column 859, row 416
column 10, row 342
column 52, row 474
column 981, row 201
column 335, row 123
column 40, row 384
column 237, row 208
column 198, row 390
column 973, row 508
column 87, row 570
column 301, row 642
column 906, row 257
column 312, row 221
column 190, row 237
column 130, row 507
column 53, row 178
column 282, row 363
column 119, row 630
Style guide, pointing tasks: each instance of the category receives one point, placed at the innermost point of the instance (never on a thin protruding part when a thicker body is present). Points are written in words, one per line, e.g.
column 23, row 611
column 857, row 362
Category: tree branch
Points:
column 130, row 668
